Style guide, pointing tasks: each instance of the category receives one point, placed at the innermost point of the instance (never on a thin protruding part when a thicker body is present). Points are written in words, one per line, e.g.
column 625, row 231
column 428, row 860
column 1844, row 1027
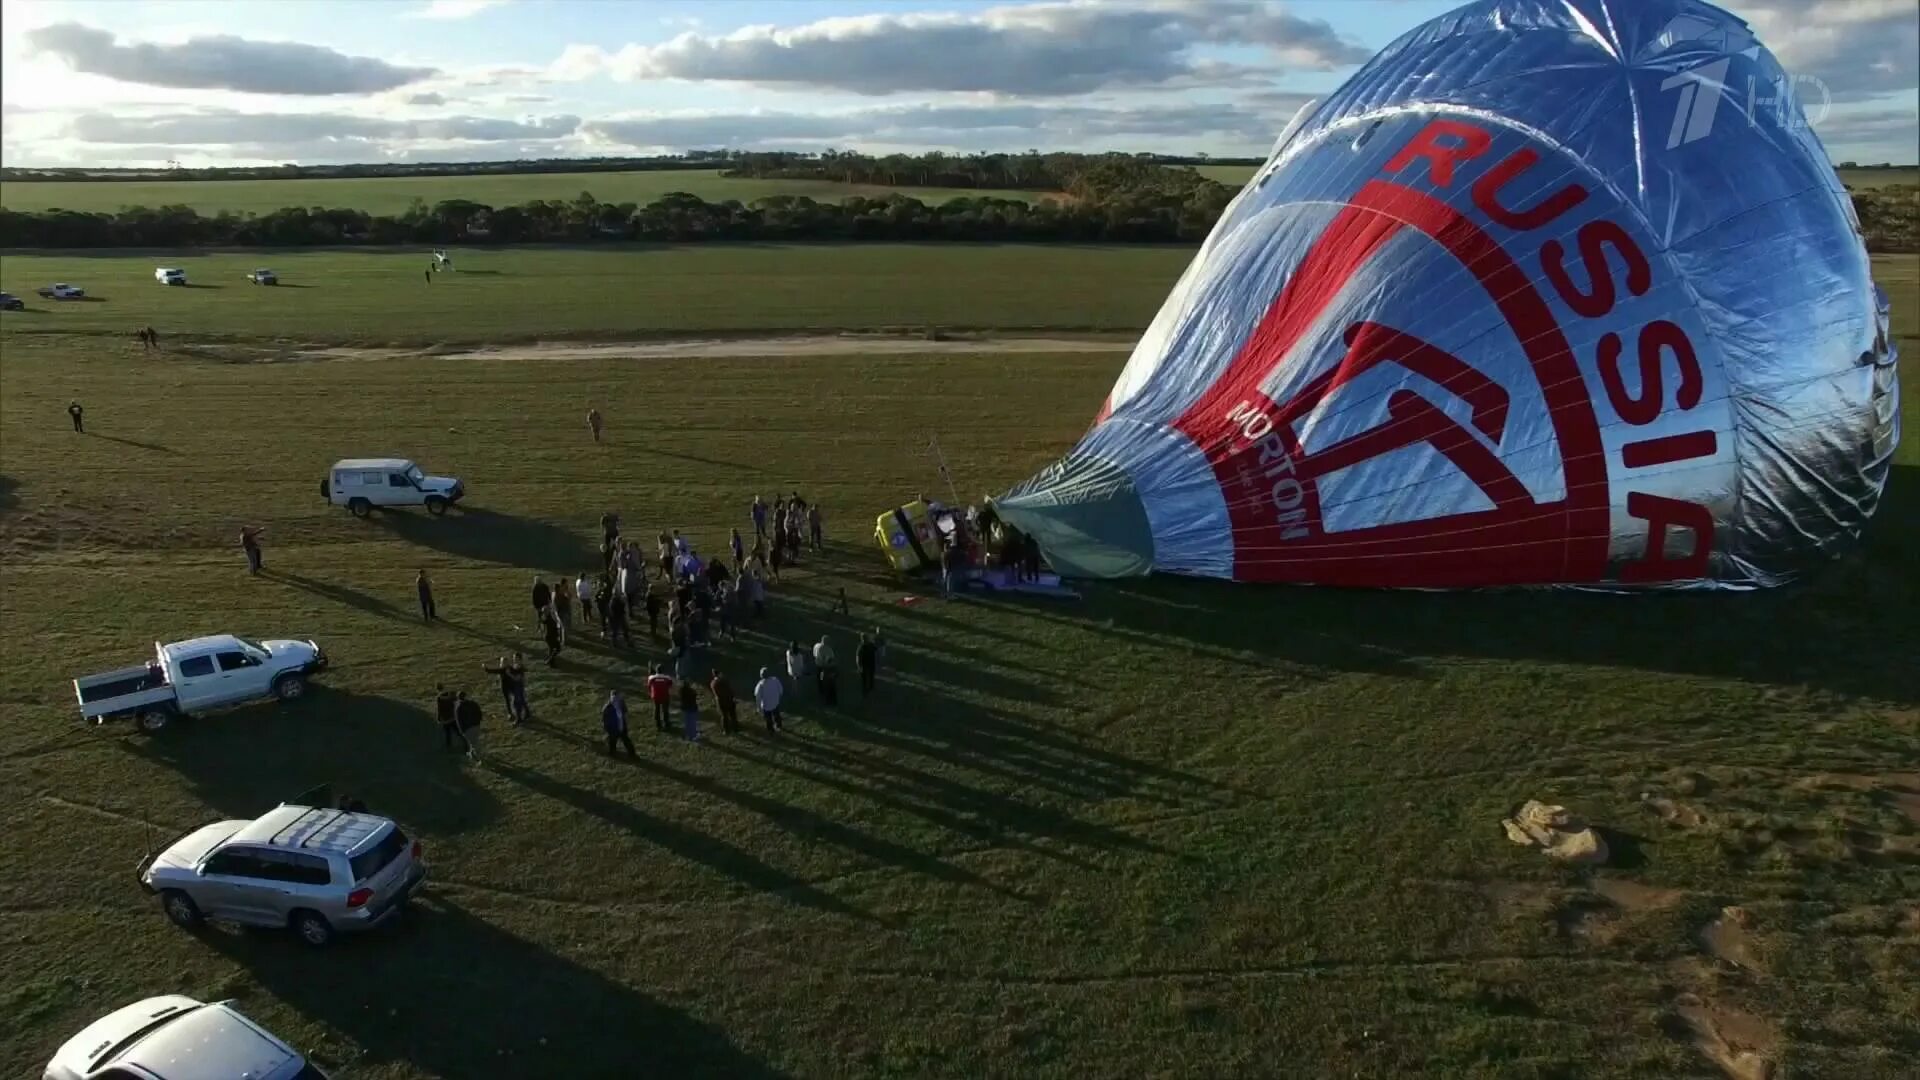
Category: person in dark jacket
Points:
column 513, row 686
column 603, row 604
column 466, row 717
column 542, row 596
column 613, row 719
column 653, row 611
column 554, row 633
column 444, row 701
column 617, row 618
column 723, row 699
column 74, row 411
column 867, row 658
column 1030, row 557
column 423, row 585
column 690, row 710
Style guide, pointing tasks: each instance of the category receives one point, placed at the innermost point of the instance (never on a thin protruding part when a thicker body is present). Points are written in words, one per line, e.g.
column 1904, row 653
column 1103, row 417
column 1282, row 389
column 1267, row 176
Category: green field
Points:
column 392, row 194
column 1891, row 176
column 1174, row 829
column 519, row 293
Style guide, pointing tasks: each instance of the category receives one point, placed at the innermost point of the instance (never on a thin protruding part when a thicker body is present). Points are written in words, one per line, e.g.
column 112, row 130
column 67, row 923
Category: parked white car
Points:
column 360, row 484
column 62, row 291
column 314, row 870
column 202, row 673
column 264, row 277
column 170, row 275
column 177, row 1036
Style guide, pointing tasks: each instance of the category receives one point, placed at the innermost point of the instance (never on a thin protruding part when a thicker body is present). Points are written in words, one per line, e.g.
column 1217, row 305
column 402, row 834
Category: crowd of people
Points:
column 702, row 599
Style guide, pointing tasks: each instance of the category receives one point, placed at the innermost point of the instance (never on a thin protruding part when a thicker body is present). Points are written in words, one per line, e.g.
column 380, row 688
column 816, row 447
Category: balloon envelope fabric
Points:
column 1546, row 294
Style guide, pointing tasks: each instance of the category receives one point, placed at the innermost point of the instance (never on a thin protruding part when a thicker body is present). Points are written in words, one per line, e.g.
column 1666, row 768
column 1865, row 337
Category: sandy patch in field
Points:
column 1743, row 1045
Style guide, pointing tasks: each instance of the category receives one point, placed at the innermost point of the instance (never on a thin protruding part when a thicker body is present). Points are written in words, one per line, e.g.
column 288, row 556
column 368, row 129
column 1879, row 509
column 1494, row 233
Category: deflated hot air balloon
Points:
column 1547, row 294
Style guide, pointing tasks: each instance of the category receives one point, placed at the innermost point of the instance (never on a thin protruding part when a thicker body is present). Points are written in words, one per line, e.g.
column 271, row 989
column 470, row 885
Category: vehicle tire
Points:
column 151, row 720
column 436, row 505
column 312, row 927
column 181, row 910
column 359, row 507
column 289, row 686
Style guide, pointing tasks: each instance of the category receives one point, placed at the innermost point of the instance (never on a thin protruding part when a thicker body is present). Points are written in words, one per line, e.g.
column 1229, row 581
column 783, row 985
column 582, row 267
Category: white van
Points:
column 360, row 484
column 170, row 275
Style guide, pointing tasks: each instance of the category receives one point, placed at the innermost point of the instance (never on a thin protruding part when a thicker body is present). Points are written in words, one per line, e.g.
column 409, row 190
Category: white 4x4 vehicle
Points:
column 63, row 291
column 170, row 275
column 200, row 673
column 311, row 870
column 176, row 1036
column 360, row 484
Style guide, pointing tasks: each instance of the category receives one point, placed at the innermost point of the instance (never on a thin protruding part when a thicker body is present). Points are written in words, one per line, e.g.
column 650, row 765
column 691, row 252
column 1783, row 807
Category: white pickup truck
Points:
column 202, row 673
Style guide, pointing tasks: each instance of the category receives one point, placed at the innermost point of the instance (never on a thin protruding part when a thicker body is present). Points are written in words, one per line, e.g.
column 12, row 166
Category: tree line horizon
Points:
column 1111, row 198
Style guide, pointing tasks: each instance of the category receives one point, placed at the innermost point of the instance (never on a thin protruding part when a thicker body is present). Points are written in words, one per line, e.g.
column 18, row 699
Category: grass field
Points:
column 1173, row 829
column 1857, row 178
column 392, row 194
column 518, row 293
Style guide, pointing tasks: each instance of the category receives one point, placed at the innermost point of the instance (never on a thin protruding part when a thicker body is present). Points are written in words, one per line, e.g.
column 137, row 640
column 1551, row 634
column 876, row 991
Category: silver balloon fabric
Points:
column 1546, row 294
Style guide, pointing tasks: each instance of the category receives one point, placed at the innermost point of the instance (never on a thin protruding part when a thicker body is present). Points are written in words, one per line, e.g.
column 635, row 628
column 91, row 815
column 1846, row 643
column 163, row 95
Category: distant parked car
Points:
column 313, row 870
column 177, row 1036
column 63, row 291
column 10, row 302
column 360, row 484
column 170, row 275
column 264, row 277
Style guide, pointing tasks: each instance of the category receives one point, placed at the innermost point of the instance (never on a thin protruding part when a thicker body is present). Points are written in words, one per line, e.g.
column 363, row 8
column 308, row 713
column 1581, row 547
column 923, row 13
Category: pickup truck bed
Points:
column 113, row 684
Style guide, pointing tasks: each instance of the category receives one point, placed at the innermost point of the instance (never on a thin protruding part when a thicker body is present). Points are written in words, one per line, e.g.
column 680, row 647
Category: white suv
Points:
column 360, row 484
column 177, row 1036
column 314, row 871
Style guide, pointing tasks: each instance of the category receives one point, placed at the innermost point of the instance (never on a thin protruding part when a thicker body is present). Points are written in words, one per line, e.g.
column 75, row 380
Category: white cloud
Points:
column 428, row 98
column 1856, row 49
column 1045, row 49
column 227, row 128
column 453, row 9
column 221, row 62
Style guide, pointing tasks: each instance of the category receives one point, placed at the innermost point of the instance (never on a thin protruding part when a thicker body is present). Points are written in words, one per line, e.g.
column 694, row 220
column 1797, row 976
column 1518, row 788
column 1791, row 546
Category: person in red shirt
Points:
column 660, row 692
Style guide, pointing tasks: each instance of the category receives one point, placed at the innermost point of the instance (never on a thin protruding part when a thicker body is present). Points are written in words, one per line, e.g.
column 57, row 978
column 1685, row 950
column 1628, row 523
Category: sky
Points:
column 241, row 82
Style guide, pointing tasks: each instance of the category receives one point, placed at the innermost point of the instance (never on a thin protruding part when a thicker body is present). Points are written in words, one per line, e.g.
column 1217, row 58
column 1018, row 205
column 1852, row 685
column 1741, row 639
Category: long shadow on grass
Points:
column 802, row 821
column 490, row 536
column 354, row 598
column 9, row 497
column 710, row 851
column 1849, row 628
column 387, row 753
column 454, row 995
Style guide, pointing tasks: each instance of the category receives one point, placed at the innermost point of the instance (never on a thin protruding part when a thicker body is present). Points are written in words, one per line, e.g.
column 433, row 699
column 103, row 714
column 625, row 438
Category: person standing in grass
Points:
column 660, row 693
column 555, row 634
column 617, row 618
column 250, row 544
column 513, row 686
column 563, row 602
column 74, row 412
column 444, row 703
column 758, row 512
column 603, row 605
column 466, row 717
column 583, row 589
column 815, row 528
column 826, row 672
column 767, row 694
column 665, row 554
column 542, row 596
column 739, row 547
column 867, row 658
column 757, row 595
column 724, row 701
column 613, row 720
column 594, row 422
column 796, row 662
column 778, row 557
column 690, row 710
column 423, row 585
column 652, row 600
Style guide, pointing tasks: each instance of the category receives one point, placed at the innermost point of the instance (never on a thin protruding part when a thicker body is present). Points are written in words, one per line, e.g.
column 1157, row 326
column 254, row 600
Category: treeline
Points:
column 696, row 159
column 1176, row 209
column 1141, row 217
column 1080, row 175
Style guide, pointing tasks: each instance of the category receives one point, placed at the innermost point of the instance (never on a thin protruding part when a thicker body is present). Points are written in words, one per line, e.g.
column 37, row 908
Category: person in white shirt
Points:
column 767, row 694
column 826, row 672
column 796, row 662
column 583, row 589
